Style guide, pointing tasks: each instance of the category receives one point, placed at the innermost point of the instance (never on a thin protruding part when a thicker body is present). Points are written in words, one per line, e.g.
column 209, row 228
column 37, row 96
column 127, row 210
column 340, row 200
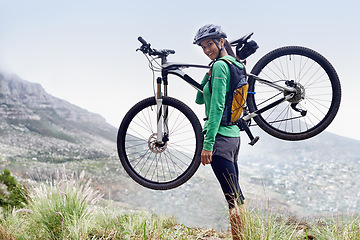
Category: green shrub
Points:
column 12, row 194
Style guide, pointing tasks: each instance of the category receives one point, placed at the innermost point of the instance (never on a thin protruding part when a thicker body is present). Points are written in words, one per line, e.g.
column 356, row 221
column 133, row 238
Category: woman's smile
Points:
column 211, row 49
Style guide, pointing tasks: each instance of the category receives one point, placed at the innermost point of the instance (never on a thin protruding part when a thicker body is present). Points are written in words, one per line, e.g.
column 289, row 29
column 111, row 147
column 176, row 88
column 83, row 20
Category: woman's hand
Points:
column 206, row 157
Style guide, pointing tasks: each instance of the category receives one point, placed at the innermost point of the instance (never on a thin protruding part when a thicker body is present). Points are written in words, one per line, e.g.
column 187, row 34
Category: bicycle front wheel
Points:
column 313, row 106
column 164, row 166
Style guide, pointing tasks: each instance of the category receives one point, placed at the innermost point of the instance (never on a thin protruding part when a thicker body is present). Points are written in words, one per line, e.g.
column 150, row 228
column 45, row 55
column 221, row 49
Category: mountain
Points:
column 39, row 126
column 41, row 134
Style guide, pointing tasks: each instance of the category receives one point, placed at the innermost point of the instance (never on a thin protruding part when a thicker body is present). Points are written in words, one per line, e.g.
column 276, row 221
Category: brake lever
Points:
column 145, row 49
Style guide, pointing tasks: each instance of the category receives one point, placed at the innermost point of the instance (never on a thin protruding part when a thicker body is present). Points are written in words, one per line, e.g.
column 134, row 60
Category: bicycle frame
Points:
column 175, row 69
column 290, row 90
column 162, row 135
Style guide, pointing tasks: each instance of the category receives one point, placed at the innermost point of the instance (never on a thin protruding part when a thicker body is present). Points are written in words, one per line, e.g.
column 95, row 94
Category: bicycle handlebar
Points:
column 146, row 49
column 142, row 41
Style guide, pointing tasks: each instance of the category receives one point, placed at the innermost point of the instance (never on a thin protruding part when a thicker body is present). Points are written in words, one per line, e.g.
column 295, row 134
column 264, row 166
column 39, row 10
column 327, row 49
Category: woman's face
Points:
column 210, row 49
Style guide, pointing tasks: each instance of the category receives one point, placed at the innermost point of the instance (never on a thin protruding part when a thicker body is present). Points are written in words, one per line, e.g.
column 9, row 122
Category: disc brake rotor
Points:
column 154, row 146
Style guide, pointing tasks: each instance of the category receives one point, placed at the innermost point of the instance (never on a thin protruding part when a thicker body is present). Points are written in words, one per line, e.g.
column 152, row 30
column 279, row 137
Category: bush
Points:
column 12, row 194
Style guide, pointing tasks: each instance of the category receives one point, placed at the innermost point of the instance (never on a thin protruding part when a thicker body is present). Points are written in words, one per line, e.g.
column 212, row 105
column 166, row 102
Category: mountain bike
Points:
column 294, row 94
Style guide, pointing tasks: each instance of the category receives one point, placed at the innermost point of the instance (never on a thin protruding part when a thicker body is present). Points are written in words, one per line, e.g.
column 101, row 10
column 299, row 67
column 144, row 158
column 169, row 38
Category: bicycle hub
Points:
column 299, row 93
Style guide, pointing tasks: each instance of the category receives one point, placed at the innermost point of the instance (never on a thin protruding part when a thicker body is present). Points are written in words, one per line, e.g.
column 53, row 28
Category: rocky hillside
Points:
column 41, row 134
column 36, row 125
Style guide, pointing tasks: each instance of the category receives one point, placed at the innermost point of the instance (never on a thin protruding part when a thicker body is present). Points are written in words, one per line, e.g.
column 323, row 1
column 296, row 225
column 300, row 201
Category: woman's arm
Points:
column 200, row 96
column 220, row 75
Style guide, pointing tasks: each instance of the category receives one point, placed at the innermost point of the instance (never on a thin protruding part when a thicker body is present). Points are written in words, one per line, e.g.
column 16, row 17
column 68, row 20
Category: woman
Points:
column 221, row 143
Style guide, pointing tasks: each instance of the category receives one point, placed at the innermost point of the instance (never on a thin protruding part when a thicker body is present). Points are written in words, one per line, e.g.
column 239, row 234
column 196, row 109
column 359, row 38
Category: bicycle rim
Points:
column 318, row 93
column 156, row 166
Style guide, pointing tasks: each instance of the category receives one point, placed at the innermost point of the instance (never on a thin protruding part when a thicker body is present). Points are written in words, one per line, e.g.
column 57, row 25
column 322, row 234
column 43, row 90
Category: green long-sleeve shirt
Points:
column 215, row 102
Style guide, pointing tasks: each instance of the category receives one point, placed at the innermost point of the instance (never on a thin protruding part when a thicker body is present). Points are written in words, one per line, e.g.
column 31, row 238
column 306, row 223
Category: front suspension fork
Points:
column 162, row 131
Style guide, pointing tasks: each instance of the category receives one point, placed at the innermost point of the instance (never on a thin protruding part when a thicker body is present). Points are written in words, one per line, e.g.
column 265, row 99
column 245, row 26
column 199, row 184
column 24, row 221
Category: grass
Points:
column 68, row 208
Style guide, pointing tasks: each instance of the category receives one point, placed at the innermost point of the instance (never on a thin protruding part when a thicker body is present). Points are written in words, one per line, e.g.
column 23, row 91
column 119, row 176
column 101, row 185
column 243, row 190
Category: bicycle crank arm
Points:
column 243, row 126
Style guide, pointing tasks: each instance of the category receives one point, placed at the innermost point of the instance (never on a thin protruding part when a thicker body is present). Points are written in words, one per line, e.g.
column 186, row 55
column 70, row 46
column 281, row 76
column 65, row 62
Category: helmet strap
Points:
column 220, row 49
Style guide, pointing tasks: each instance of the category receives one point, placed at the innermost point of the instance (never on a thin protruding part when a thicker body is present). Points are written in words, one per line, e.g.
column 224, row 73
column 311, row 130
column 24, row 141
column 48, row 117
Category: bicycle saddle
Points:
column 244, row 48
column 241, row 40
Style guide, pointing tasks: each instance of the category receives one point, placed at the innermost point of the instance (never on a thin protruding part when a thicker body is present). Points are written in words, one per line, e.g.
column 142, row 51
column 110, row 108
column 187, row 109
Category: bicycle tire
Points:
column 316, row 79
column 165, row 167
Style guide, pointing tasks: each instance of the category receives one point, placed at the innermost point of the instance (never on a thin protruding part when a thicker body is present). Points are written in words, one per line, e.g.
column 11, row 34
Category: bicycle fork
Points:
column 162, row 129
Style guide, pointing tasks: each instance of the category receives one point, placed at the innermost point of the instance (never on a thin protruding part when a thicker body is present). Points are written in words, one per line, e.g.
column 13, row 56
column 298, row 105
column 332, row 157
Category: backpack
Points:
column 235, row 102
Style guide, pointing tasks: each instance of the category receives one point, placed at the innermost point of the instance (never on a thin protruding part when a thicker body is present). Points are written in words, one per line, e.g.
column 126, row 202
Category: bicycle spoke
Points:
column 141, row 158
column 175, row 163
column 265, row 100
column 169, row 171
column 147, row 119
column 135, row 146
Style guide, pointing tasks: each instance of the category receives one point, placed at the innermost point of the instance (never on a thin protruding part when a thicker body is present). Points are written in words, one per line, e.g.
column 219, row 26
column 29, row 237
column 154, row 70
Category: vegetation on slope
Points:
column 68, row 208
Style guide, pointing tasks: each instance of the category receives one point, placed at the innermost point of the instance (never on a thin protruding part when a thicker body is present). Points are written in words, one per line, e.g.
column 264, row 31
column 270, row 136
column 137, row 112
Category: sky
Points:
column 83, row 51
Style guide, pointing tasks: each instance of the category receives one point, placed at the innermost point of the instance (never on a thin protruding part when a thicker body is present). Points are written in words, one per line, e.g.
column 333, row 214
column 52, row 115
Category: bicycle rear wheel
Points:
column 154, row 166
column 311, row 109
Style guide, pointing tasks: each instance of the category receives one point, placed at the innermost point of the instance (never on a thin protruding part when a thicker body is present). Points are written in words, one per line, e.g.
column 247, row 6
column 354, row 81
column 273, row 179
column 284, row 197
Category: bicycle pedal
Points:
column 254, row 140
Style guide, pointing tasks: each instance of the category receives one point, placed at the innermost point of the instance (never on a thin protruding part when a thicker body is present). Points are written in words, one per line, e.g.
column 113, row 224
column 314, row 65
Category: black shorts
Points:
column 227, row 147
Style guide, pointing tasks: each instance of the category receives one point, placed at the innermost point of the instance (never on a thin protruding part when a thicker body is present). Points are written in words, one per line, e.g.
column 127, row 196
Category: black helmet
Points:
column 208, row 31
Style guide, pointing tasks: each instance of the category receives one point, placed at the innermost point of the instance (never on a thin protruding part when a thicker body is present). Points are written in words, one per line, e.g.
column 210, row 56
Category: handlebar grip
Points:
column 142, row 41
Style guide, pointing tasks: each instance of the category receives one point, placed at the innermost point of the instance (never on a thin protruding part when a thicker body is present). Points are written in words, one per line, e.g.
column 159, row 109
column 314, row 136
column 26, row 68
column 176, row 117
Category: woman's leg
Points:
column 237, row 228
column 228, row 176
